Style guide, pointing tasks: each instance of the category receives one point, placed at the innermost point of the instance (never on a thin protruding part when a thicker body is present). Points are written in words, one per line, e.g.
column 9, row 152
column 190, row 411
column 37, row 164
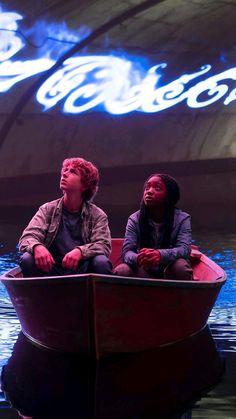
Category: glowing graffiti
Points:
column 113, row 83
column 10, row 43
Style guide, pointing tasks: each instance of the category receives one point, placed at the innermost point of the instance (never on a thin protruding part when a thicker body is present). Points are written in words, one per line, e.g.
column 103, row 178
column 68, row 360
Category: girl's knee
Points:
column 180, row 270
column 123, row 270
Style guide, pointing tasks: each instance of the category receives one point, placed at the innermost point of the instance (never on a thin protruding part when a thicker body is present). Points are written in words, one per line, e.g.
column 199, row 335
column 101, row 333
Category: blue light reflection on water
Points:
column 222, row 249
column 9, row 324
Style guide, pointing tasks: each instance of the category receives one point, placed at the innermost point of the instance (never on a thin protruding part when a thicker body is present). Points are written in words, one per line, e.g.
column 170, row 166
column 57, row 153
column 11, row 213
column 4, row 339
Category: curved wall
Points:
column 197, row 145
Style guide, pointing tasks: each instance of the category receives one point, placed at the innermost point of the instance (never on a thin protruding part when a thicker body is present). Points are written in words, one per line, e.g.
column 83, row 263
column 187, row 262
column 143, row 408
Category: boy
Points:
column 69, row 235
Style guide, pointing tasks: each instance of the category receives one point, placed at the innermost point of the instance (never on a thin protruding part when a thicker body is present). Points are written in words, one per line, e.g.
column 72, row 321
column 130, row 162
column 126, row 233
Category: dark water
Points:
column 194, row 379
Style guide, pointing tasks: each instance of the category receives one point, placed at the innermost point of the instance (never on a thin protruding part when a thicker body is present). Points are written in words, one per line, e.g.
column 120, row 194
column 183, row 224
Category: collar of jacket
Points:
column 84, row 211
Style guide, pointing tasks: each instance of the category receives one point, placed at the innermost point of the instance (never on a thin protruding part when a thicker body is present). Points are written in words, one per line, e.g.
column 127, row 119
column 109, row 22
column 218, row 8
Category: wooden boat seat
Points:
column 116, row 249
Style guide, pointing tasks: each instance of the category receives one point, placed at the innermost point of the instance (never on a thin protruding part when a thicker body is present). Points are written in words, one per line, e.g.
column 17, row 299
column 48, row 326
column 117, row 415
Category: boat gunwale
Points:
column 114, row 279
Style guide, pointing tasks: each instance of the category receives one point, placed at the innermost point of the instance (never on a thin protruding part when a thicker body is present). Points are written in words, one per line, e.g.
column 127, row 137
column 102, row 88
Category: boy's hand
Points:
column 43, row 258
column 72, row 259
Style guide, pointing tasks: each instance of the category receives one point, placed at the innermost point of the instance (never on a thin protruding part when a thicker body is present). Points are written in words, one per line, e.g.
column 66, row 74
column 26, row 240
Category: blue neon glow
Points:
column 114, row 84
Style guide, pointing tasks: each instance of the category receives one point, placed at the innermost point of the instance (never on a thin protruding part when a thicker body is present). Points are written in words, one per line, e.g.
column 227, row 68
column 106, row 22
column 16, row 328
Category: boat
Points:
column 157, row 383
column 101, row 315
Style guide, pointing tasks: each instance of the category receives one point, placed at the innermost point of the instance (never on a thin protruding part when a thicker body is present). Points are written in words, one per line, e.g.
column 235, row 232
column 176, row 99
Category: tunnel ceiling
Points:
column 185, row 34
column 205, row 27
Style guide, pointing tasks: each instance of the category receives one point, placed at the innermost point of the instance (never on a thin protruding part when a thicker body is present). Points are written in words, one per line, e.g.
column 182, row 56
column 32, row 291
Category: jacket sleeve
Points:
column 181, row 247
column 100, row 238
column 130, row 246
column 35, row 232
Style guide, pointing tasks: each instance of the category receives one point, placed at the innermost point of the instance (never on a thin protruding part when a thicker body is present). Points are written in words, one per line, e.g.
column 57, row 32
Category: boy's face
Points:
column 71, row 180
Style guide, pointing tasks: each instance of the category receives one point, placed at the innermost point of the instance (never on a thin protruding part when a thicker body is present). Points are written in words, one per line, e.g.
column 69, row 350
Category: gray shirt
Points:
column 68, row 235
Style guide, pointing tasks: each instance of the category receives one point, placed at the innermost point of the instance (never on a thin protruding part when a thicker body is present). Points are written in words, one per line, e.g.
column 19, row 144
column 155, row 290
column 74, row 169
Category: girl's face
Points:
column 155, row 192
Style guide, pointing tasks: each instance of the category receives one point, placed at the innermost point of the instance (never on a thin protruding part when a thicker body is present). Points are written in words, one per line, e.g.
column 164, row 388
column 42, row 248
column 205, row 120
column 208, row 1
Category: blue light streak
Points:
column 115, row 84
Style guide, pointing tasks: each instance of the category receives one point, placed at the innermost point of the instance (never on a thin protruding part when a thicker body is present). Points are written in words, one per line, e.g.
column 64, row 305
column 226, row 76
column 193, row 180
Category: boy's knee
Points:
column 27, row 265
column 100, row 264
column 27, row 260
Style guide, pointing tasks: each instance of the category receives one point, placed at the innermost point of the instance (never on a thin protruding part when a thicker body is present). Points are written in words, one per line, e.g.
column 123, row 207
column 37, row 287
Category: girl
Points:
column 157, row 241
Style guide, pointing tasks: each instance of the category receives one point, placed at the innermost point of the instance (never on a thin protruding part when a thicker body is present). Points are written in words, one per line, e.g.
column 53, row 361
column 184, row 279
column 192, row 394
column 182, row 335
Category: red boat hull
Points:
column 99, row 315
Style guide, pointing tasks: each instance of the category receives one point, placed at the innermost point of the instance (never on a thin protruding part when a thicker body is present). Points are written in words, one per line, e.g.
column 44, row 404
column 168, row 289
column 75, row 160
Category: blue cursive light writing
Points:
column 114, row 84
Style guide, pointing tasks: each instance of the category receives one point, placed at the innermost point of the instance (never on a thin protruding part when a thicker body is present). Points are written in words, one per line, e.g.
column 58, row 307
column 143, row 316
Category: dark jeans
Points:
column 180, row 269
column 99, row 264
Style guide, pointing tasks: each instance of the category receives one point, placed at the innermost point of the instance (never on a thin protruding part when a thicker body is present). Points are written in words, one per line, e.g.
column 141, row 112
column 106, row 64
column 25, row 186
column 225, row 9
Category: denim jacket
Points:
column 180, row 240
column 43, row 228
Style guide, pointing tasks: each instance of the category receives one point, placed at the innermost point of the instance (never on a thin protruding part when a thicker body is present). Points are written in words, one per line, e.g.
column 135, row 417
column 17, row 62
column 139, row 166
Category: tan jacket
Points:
column 43, row 228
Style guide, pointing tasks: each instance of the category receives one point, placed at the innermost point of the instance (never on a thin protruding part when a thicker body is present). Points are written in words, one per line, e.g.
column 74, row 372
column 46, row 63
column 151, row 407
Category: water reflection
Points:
column 161, row 383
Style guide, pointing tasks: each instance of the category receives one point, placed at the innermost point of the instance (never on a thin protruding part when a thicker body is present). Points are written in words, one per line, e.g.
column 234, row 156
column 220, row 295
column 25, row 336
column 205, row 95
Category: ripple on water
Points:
column 223, row 327
column 9, row 330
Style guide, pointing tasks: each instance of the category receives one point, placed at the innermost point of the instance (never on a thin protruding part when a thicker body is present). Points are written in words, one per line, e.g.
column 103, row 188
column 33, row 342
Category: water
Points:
column 222, row 249
column 220, row 402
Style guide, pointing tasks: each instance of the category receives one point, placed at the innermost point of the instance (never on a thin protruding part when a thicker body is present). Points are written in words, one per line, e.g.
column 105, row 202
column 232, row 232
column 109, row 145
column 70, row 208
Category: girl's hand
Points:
column 148, row 258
